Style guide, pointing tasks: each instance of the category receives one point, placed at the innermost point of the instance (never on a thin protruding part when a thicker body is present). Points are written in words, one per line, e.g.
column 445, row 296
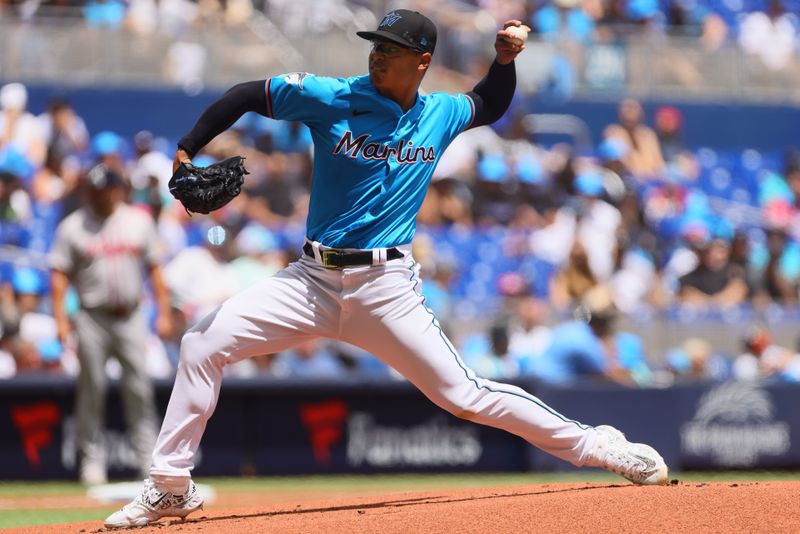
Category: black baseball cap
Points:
column 101, row 177
column 408, row 28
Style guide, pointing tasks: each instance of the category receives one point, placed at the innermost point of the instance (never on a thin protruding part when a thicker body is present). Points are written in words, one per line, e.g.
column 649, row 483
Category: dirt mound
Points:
column 598, row 508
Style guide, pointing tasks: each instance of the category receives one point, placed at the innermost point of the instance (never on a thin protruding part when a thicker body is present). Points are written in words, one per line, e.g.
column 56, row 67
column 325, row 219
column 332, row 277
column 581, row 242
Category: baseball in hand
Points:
column 518, row 35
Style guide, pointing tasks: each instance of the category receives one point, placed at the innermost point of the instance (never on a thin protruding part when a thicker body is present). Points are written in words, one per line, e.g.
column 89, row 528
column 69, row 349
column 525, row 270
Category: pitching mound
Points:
column 598, row 508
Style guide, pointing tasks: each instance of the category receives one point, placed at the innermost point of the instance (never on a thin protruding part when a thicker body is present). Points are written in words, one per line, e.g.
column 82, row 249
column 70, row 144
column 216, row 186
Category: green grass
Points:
column 26, row 518
column 10, row 517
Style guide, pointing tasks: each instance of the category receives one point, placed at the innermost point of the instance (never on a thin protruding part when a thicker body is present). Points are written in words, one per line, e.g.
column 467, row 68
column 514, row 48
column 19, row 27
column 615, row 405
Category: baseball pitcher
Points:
column 377, row 141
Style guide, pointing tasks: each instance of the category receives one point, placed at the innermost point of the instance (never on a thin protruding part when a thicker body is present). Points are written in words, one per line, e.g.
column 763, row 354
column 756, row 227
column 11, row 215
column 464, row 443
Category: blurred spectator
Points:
column 19, row 129
column 237, row 11
column 642, row 12
column 553, row 240
column 493, row 360
column 777, row 270
column 741, row 255
column 573, row 282
column 644, row 157
column 29, row 332
column 668, row 128
column 634, row 232
column 592, row 348
column 292, row 138
column 632, row 284
column 109, row 149
column 680, row 19
column 198, row 276
column 598, row 224
column 108, row 14
column 15, row 209
column 276, row 190
column 714, row 282
column 793, row 181
column 495, row 202
column 104, row 250
column 695, row 359
column 436, row 290
column 185, row 65
column 36, row 327
column 438, row 271
column 665, row 204
column 176, row 17
column 150, row 174
column 259, row 255
column 460, row 159
column 8, row 367
column 529, row 336
column 449, row 201
column 714, row 34
column 54, row 181
column 64, row 131
column 770, row 35
column 309, row 360
column 361, row 363
column 684, row 258
column 142, row 16
column 564, row 19
column 612, row 153
column 762, row 359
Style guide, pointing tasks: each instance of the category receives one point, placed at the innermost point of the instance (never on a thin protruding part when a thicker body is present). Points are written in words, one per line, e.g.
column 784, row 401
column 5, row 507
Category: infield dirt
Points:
column 597, row 508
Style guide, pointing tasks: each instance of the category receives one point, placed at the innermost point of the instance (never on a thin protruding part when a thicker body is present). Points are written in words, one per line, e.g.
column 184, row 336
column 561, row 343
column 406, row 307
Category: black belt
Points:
column 118, row 312
column 333, row 258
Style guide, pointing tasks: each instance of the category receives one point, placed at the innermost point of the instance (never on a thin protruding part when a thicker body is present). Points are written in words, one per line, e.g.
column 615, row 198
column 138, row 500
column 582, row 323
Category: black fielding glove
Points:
column 205, row 189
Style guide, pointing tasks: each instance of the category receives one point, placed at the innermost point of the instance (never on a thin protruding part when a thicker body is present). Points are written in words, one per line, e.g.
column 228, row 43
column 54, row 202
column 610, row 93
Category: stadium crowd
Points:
column 544, row 248
column 583, row 20
column 582, row 35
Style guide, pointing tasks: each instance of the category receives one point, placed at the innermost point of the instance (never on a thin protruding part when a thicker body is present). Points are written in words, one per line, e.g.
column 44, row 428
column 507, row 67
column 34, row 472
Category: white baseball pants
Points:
column 378, row 308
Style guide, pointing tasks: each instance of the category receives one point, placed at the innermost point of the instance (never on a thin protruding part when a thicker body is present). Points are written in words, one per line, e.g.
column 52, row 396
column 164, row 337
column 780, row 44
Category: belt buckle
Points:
column 326, row 254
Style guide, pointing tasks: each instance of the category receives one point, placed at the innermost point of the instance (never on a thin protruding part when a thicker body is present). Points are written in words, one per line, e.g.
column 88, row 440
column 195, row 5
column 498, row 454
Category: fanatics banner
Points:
column 268, row 427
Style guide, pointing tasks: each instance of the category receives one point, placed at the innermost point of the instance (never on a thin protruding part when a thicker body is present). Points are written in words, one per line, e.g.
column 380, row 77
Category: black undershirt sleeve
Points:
column 492, row 95
column 219, row 116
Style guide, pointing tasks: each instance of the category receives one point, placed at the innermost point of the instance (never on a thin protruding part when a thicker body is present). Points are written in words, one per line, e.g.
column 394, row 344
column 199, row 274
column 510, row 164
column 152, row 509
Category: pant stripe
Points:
column 464, row 368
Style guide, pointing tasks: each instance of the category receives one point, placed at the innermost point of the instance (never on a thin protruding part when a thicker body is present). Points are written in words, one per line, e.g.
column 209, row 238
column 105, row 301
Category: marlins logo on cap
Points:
column 407, row 28
column 390, row 19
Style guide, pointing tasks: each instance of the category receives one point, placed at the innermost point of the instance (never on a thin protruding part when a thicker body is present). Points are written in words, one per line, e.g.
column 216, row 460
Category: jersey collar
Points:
column 412, row 114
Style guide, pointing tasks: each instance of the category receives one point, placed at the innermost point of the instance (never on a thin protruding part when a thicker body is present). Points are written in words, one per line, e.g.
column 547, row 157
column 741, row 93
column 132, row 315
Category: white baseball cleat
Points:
column 637, row 462
column 152, row 504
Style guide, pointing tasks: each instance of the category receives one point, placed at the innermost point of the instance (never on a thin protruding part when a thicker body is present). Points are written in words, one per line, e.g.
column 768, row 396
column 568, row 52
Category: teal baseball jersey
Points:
column 372, row 161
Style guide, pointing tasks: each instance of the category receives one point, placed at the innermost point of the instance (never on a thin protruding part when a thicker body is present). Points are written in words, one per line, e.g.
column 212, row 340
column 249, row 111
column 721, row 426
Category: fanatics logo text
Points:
column 404, row 152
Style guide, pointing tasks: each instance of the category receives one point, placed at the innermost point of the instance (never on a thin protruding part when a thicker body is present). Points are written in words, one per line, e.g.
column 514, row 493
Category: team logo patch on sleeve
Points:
column 296, row 78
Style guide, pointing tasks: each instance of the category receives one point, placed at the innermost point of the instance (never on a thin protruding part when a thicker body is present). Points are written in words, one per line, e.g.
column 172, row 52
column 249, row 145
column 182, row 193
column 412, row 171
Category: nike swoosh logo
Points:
column 155, row 503
column 649, row 463
column 357, row 112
